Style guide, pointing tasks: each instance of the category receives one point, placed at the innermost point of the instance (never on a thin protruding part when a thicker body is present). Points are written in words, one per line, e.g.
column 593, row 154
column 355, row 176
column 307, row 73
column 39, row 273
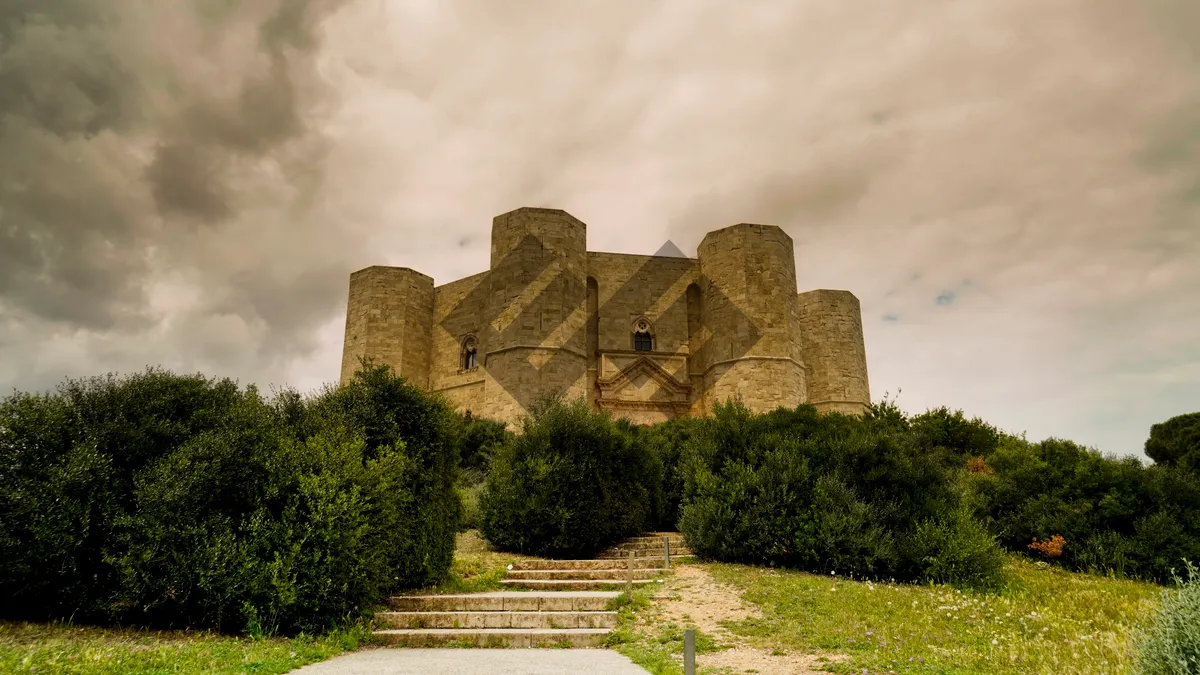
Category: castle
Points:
column 648, row 338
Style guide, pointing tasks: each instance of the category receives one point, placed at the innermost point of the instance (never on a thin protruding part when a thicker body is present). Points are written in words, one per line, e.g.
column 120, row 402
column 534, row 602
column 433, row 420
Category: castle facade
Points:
column 648, row 338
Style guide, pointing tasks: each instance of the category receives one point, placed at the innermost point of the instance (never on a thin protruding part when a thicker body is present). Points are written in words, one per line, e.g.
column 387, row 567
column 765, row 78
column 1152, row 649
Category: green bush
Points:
column 952, row 437
column 666, row 441
column 389, row 411
column 178, row 501
column 478, row 440
column 572, row 482
column 956, row 550
column 1171, row 645
column 1116, row 515
column 827, row 493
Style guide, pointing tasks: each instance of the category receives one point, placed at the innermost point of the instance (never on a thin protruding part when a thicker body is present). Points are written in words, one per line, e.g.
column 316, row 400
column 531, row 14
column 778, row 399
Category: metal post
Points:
column 666, row 553
column 629, row 578
column 689, row 652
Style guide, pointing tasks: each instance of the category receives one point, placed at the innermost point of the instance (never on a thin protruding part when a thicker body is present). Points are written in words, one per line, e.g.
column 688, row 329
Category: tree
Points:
column 1176, row 442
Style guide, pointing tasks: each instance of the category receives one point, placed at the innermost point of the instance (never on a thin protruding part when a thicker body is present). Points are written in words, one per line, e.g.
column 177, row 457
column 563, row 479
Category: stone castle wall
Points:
column 551, row 317
column 459, row 310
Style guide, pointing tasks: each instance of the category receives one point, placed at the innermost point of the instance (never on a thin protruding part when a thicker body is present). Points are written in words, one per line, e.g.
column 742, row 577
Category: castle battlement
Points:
column 647, row 337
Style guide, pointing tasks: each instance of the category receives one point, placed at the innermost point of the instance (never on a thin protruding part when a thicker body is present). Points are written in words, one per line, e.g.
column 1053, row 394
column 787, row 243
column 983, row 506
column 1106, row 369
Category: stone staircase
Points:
column 547, row 603
column 499, row 619
column 649, row 546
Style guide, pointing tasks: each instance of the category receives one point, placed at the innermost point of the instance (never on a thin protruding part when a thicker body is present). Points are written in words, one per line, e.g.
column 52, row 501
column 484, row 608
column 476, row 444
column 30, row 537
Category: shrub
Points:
column 667, row 440
column 1114, row 515
column 389, row 411
column 1171, row 645
column 572, row 482
column 952, row 437
column 827, row 493
column 478, row 439
column 956, row 550
column 178, row 501
column 1051, row 548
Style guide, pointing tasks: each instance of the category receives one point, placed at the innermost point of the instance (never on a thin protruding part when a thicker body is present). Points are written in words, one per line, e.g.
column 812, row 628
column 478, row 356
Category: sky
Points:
column 1010, row 187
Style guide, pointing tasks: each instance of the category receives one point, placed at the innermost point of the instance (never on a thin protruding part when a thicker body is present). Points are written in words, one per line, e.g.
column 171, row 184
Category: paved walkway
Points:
column 475, row 661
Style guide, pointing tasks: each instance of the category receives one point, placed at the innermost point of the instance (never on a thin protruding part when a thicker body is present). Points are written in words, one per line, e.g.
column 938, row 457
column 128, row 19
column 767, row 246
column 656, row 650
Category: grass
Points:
column 1045, row 620
column 475, row 568
column 75, row 650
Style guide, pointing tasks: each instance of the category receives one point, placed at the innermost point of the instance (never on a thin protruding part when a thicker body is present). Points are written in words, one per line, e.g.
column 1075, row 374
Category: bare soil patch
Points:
column 691, row 598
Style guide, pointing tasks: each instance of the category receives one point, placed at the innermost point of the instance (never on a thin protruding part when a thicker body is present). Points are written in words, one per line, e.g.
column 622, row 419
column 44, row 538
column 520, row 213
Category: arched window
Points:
column 643, row 336
column 467, row 359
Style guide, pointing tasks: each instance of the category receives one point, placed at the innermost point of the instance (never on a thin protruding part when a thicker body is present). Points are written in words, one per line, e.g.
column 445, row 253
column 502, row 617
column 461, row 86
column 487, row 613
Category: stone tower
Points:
column 536, row 341
column 831, row 335
column 388, row 318
column 748, row 274
column 646, row 337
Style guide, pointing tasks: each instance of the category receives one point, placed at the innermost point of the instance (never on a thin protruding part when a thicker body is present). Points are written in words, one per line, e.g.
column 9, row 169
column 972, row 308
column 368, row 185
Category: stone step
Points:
column 494, row 637
column 609, row 574
column 388, row 620
column 610, row 554
column 552, row 600
column 571, row 584
column 607, row 564
column 654, row 539
column 645, row 546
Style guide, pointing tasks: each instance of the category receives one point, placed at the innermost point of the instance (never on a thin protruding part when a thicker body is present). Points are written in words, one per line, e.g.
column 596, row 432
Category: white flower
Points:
column 510, row 566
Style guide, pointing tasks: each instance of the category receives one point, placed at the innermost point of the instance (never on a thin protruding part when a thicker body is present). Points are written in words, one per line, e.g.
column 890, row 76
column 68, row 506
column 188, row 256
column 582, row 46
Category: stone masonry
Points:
column 648, row 338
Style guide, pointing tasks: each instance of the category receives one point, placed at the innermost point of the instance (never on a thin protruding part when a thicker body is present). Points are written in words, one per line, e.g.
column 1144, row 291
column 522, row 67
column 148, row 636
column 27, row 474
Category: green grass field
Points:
column 75, row 650
column 1044, row 621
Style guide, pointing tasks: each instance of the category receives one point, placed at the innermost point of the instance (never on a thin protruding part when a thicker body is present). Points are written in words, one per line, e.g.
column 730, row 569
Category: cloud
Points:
column 191, row 183
column 153, row 146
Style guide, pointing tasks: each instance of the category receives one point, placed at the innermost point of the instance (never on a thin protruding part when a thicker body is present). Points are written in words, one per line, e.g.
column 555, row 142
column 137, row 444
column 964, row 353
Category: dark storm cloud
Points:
column 113, row 149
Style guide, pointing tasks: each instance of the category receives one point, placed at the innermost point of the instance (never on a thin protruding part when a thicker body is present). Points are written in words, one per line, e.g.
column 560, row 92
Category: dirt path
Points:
column 691, row 597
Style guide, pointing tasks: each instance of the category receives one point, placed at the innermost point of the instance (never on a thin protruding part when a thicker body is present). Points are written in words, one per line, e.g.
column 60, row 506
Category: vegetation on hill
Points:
column 178, row 501
column 572, row 482
column 925, row 497
column 1057, row 501
column 1171, row 644
column 1176, row 442
column 479, row 440
column 823, row 493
